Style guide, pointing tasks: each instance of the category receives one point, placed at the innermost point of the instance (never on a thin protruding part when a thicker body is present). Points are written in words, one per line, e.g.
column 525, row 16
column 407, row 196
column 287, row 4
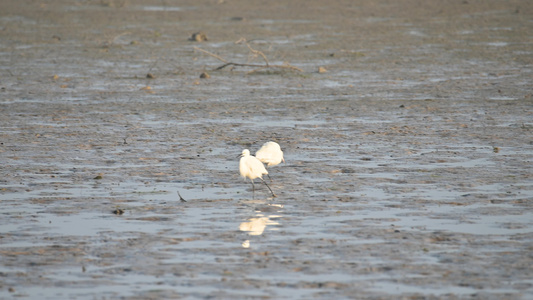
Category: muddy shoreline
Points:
column 408, row 162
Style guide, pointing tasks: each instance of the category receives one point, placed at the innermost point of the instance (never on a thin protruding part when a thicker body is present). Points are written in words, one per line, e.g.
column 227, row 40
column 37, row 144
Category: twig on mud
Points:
column 113, row 40
column 255, row 52
column 212, row 54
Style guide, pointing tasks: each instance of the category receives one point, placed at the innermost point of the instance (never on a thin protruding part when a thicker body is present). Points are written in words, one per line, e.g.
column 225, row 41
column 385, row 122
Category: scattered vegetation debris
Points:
column 98, row 177
column 118, row 211
column 150, row 76
column 181, row 198
column 240, row 19
column 204, row 75
column 198, row 37
column 322, row 70
column 256, row 53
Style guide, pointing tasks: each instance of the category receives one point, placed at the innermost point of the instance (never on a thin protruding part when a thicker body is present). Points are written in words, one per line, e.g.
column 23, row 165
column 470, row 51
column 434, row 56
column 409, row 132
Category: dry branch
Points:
column 256, row 53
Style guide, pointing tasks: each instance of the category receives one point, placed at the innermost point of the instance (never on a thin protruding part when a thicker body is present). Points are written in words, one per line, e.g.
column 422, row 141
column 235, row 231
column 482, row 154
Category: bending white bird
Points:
column 270, row 154
column 251, row 167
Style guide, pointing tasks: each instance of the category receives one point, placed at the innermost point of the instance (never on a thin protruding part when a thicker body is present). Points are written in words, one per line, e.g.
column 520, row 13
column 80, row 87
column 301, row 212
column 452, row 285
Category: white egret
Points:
column 270, row 154
column 251, row 167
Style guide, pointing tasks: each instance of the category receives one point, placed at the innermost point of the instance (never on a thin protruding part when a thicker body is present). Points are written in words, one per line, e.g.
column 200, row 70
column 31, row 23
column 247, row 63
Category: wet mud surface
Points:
column 408, row 162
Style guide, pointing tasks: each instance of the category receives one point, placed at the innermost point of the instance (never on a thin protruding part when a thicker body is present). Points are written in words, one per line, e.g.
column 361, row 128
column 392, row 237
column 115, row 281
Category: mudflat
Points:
column 406, row 128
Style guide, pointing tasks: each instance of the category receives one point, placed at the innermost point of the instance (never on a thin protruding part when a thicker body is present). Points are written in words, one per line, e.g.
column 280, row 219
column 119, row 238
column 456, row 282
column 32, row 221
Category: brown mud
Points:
column 408, row 167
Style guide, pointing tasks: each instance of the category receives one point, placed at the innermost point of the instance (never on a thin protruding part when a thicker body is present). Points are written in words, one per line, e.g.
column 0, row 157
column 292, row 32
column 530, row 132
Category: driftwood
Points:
column 256, row 53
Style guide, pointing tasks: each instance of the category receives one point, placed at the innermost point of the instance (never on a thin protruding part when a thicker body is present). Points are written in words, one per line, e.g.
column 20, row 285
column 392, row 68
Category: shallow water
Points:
column 408, row 163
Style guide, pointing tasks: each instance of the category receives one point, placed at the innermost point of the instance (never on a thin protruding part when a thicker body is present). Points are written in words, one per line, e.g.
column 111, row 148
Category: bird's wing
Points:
column 257, row 167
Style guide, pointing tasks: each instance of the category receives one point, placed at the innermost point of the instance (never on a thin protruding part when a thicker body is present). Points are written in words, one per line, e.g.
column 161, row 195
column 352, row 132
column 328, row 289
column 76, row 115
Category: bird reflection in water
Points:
column 256, row 225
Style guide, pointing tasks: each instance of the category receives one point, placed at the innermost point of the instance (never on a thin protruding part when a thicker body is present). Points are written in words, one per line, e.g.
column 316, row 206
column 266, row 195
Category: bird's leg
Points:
column 269, row 178
column 273, row 195
column 253, row 188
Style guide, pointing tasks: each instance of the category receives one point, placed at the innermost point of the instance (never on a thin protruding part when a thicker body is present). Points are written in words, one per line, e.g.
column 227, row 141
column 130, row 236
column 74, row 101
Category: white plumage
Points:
column 270, row 154
column 252, row 168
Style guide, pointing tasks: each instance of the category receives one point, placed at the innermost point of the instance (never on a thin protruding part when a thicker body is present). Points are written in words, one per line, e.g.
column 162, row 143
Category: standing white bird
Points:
column 251, row 167
column 270, row 154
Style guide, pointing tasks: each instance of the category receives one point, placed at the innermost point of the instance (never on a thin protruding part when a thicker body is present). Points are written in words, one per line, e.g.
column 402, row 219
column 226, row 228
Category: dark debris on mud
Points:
column 408, row 163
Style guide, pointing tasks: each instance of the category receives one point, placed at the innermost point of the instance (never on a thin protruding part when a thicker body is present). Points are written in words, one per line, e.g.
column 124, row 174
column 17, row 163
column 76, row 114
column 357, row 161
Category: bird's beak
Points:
column 283, row 160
